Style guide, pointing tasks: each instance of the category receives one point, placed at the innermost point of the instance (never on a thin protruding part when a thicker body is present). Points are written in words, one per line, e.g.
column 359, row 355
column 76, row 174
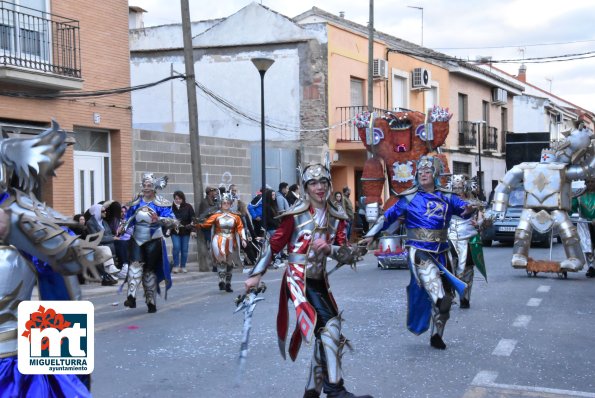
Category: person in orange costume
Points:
column 227, row 233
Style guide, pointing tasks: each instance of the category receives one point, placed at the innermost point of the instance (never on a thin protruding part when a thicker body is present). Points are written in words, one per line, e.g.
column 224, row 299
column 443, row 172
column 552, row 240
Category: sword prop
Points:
column 247, row 303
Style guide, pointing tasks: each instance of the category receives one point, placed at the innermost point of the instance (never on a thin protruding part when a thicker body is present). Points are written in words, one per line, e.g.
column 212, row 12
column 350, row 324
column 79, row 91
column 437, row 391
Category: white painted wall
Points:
column 238, row 81
column 530, row 115
column 164, row 107
column 252, row 32
column 165, row 36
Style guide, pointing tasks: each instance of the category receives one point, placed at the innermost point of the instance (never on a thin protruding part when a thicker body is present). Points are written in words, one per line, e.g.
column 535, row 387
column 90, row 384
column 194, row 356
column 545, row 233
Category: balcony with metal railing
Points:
column 467, row 134
column 38, row 48
column 489, row 139
column 348, row 130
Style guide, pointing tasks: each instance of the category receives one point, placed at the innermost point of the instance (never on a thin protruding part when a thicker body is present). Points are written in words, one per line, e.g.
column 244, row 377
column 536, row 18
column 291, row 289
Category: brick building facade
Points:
column 75, row 53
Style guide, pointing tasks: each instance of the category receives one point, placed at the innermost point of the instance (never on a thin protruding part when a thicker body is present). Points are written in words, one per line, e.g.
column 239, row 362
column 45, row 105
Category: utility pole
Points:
column 371, row 59
column 422, row 22
column 193, row 127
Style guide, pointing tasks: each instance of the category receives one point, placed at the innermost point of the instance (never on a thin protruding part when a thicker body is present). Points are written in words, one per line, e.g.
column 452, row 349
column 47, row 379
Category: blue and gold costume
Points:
column 148, row 256
column 427, row 216
column 35, row 249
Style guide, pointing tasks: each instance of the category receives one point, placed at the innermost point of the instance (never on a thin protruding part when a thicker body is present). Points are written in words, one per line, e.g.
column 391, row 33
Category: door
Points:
column 88, row 180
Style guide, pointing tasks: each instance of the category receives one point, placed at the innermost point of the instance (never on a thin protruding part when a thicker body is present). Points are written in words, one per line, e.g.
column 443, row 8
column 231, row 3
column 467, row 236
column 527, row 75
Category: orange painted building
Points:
column 348, row 89
column 70, row 47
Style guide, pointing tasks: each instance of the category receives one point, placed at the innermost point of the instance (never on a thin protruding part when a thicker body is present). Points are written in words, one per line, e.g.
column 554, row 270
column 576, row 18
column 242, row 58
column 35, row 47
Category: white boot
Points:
column 123, row 272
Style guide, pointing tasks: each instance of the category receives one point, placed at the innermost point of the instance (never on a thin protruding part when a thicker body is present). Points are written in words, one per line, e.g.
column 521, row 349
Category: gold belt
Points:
column 427, row 235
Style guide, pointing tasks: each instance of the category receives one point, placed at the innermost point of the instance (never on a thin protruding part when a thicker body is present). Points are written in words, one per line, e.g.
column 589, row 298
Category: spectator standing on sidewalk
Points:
column 255, row 210
column 207, row 207
column 271, row 212
column 361, row 212
column 293, row 194
column 282, row 203
column 348, row 207
column 180, row 237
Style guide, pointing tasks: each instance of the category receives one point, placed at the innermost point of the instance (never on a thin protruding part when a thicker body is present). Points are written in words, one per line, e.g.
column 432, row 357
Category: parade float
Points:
column 395, row 141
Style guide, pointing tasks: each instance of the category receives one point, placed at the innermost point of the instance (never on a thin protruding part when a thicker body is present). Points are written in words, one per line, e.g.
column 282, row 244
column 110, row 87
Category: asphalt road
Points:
column 522, row 337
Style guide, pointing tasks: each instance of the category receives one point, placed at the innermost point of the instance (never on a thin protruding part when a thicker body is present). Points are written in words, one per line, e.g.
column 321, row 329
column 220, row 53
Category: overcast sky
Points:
column 503, row 29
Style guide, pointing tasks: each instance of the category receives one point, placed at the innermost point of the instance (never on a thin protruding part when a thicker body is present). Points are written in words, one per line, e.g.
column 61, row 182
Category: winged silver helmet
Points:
column 31, row 159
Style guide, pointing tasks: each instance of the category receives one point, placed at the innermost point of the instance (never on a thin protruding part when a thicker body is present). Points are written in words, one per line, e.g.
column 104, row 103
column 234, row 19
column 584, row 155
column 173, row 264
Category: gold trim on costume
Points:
column 427, row 235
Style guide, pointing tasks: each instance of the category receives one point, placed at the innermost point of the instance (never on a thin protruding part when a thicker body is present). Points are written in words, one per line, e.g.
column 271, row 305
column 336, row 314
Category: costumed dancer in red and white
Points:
column 227, row 233
column 312, row 229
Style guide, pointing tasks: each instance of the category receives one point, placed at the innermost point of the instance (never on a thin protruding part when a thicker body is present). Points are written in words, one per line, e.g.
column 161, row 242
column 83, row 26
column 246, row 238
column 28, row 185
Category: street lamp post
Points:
column 422, row 22
column 479, row 176
column 262, row 64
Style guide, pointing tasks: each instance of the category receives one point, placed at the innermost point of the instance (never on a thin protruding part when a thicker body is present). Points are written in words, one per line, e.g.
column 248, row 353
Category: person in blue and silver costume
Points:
column 426, row 210
column 147, row 214
column 36, row 247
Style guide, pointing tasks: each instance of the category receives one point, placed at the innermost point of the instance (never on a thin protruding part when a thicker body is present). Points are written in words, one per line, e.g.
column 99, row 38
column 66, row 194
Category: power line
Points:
column 534, row 60
column 521, row 45
column 86, row 94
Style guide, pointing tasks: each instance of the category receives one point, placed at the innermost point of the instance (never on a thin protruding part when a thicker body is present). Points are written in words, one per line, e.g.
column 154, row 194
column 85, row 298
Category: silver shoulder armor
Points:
column 337, row 213
column 409, row 191
column 161, row 201
column 298, row 207
column 134, row 201
column 266, row 255
column 377, row 227
column 42, row 237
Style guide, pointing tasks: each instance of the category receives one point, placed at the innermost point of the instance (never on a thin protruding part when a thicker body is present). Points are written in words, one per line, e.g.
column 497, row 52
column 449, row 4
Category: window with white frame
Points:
column 400, row 90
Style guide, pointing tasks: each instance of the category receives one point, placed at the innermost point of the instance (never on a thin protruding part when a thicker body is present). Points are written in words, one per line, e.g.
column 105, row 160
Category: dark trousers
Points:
column 121, row 252
column 150, row 254
column 317, row 295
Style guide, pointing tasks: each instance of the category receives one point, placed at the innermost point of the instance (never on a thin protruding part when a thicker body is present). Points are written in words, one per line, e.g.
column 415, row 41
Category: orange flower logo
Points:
column 43, row 319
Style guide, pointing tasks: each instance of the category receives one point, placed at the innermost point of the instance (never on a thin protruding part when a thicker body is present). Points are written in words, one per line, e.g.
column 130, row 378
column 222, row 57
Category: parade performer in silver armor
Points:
column 147, row 214
column 463, row 234
column 584, row 205
column 36, row 248
column 312, row 229
column 426, row 209
column 547, row 186
column 228, row 233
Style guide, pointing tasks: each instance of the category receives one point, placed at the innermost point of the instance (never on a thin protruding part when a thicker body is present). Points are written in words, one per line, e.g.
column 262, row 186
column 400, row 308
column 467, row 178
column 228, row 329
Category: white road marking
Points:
column 522, row 321
column 544, row 288
column 534, row 302
column 487, row 378
column 504, row 347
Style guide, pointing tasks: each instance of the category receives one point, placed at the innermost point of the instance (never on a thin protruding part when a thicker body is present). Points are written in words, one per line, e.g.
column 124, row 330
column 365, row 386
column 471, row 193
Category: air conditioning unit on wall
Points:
column 499, row 96
column 380, row 69
column 421, row 79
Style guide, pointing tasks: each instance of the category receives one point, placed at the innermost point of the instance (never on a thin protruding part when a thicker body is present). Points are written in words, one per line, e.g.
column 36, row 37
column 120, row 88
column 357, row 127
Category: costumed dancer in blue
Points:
column 147, row 214
column 31, row 232
column 426, row 210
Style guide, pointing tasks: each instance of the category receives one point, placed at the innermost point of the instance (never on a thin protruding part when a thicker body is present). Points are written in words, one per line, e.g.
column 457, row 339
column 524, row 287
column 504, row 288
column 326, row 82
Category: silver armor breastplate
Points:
column 461, row 229
column 305, row 232
column 17, row 279
column 142, row 230
column 226, row 224
column 546, row 186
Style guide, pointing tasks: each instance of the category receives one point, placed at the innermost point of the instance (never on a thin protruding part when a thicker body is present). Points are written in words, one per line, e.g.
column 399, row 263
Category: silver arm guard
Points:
column 266, row 255
column 377, row 227
column 346, row 254
column 585, row 171
column 169, row 223
column 41, row 237
column 502, row 191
